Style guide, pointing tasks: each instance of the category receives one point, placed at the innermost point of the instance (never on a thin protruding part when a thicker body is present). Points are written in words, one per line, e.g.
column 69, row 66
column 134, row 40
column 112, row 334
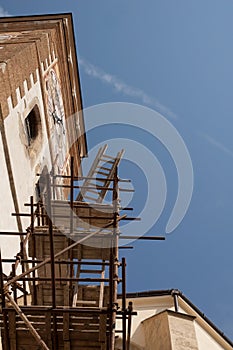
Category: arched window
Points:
column 33, row 124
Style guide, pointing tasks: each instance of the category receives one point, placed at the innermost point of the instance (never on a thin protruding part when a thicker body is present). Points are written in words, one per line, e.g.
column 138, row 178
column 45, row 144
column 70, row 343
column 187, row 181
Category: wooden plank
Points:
column 86, row 302
column 90, row 336
column 66, row 295
column 66, row 326
column 33, row 319
column 12, row 330
column 101, row 294
column 5, row 331
column 102, row 328
column 66, row 345
column 75, row 294
column 84, row 345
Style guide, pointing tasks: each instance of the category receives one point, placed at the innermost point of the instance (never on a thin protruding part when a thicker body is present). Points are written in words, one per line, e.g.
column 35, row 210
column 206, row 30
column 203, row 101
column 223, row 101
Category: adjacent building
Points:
column 168, row 320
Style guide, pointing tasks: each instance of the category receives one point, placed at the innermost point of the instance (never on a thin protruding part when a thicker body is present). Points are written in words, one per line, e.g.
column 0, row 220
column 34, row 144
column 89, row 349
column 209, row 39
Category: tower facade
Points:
column 59, row 276
column 41, row 110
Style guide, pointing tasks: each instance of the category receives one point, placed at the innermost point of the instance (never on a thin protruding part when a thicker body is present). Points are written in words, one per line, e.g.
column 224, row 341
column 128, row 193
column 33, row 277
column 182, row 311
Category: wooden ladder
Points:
column 94, row 298
column 98, row 300
column 102, row 169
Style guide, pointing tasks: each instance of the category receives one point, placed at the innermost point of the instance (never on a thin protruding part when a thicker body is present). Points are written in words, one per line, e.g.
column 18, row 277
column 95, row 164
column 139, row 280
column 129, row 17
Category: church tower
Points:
column 60, row 247
column 41, row 110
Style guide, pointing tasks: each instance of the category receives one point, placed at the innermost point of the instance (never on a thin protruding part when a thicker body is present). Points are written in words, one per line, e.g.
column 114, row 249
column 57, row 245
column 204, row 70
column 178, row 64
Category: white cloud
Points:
column 122, row 87
column 216, row 144
column 3, row 13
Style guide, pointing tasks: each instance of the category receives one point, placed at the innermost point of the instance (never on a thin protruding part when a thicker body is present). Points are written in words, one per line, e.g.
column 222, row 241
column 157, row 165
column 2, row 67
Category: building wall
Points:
column 182, row 331
column 205, row 340
column 6, row 206
column 157, row 332
column 189, row 332
column 38, row 73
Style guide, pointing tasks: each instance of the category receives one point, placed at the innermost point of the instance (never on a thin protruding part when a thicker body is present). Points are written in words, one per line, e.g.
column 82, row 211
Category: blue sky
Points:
column 175, row 57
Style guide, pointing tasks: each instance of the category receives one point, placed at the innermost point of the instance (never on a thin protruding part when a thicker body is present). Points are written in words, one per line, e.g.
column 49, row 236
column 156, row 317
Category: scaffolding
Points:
column 65, row 293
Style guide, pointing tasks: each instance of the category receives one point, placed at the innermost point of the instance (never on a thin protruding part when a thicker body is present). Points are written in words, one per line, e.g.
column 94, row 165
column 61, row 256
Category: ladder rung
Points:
column 91, row 184
column 109, row 157
column 110, row 162
column 92, row 191
column 100, row 179
column 107, row 162
column 102, row 173
column 104, row 168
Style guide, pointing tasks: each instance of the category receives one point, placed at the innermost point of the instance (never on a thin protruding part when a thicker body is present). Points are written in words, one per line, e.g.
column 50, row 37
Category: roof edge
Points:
column 33, row 17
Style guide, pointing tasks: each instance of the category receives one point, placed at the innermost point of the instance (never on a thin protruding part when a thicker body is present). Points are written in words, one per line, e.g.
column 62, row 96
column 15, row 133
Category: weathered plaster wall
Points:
column 8, row 244
column 182, row 331
column 157, row 333
column 205, row 341
column 145, row 308
column 29, row 50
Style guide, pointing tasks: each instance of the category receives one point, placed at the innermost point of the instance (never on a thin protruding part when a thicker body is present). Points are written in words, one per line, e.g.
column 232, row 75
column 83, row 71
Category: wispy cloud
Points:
column 3, row 13
column 122, row 87
column 216, row 143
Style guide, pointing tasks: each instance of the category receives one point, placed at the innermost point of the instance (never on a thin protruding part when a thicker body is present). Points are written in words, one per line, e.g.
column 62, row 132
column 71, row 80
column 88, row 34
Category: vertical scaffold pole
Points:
column 114, row 260
column 33, row 250
column 52, row 263
column 5, row 319
column 123, row 264
column 71, row 215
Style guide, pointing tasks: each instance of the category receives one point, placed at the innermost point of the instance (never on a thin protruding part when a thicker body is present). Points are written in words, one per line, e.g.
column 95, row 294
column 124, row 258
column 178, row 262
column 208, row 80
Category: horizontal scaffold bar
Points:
column 81, row 178
column 16, row 278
